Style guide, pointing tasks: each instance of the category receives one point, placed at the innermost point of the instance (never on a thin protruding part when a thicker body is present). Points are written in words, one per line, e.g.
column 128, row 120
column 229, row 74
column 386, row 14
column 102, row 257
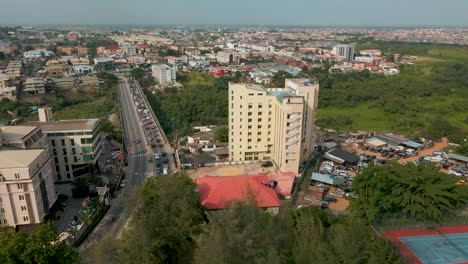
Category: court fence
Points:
column 394, row 222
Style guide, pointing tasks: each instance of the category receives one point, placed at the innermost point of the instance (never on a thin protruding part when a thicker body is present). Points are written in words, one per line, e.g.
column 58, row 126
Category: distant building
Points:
column 4, row 80
column 177, row 61
column 370, row 53
column 109, row 50
column 27, row 190
column 364, row 59
column 73, row 36
column 8, row 93
column 104, row 64
column 164, row 74
column 273, row 123
column 217, row 71
column 129, row 49
column 345, row 51
column 14, row 69
column 34, row 86
column 83, row 69
column 226, row 57
column 36, row 54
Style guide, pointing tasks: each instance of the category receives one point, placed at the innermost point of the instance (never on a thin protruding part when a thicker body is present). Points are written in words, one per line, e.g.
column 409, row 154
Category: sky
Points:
column 237, row 12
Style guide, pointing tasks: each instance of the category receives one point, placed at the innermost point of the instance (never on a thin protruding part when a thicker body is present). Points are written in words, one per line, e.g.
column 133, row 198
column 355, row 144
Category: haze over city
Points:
column 259, row 12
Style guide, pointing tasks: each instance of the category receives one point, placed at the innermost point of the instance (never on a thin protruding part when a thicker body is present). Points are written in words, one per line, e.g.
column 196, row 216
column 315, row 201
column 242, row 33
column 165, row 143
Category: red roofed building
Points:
column 108, row 50
column 217, row 71
column 219, row 192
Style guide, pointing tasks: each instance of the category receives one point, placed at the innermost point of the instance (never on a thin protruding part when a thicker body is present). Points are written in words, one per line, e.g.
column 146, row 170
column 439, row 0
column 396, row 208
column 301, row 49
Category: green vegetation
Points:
column 40, row 247
column 170, row 226
column 222, row 134
column 8, row 107
column 426, row 100
column 203, row 101
column 96, row 104
column 418, row 191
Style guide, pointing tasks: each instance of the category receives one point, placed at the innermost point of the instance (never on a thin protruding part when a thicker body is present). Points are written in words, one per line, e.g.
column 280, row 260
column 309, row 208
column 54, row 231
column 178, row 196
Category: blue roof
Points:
column 412, row 144
column 326, row 178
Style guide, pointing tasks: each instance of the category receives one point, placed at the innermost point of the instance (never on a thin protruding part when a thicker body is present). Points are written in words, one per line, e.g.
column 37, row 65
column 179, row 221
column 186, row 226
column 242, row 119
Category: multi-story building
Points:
column 75, row 145
column 226, row 57
column 27, row 190
column 129, row 49
column 164, row 74
column 273, row 123
column 344, row 51
column 4, row 80
column 8, row 92
column 370, row 52
column 109, row 50
column 34, row 86
column 177, row 61
column 104, row 64
column 14, row 69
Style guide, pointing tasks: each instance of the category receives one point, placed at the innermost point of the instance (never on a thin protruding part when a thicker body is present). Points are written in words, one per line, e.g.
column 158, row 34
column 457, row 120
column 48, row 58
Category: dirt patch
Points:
column 231, row 170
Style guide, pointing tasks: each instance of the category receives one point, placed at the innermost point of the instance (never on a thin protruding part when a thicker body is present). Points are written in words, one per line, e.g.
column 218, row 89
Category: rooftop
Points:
column 19, row 158
column 67, row 125
column 14, row 134
column 219, row 192
column 281, row 95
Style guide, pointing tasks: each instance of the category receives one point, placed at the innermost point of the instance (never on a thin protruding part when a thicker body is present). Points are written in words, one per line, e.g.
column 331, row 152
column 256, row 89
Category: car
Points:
column 157, row 155
column 123, row 184
column 73, row 224
column 267, row 164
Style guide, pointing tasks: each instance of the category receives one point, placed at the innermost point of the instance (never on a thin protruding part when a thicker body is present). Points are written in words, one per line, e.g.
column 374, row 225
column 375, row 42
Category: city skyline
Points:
column 359, row 13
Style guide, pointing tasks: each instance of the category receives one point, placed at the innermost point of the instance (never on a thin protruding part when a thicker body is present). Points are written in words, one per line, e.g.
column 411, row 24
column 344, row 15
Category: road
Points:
column 139, row 167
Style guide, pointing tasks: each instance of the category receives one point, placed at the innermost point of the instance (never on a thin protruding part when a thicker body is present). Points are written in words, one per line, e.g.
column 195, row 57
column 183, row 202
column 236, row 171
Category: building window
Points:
column 250, row 106
column 259, row 120
column 259, row 113
column 259, row 106
column 25, row 218
column 73, row 150
column 250, row 120
column 59, row 177
column 2, row 210
column 52, row 142
column 17, row 176
column 249, row 147
column 86, row 140
column 65, row 159
column 55, row 152
column 75, row 159
column 249, row 127
column 250, row 113
column 249, row 140
column 56, row 160
column 64, row 151
column 72, row 142
column 63, row 142
column 68, row 175
column 5, row 221
column 24, row 208
column 20, row 186
column 21, row 197
column 259, row 126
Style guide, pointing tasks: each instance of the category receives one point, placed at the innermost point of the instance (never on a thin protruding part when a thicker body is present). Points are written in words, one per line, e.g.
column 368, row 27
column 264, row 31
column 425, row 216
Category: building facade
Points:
column 345, row 51
column 164, row 74
column 34, row 86
column 75, row 146
column 226, row 57
column 273, row 124
column 27, row 190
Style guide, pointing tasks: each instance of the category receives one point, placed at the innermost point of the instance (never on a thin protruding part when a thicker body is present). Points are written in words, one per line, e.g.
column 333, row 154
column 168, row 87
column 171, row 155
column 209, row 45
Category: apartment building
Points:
column 34, row 86
column 27, row 190
column 8, row 93
column 5, row 80
column 273, row 123
column 14, row 69
column 164, row 74
column 177, row 61
column 344, row 51
column 75, row 145
column 129, row 49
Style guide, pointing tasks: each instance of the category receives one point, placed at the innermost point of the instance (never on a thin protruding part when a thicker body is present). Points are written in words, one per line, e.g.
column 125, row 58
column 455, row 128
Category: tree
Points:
column 244, row 234
column 414, row 190
column 278, row 78
column 138, row 73
column 164, row 223
column 222, row 134
column 42, row 247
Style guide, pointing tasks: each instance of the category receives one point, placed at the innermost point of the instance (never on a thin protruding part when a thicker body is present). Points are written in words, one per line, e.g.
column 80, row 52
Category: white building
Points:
column 364, row 59
column 27, row 190
column 164, row 74
column 370, row 52
column 8, row 92
column 344, row 51
column 128, row 49
column 226, row 57
column 36, row 54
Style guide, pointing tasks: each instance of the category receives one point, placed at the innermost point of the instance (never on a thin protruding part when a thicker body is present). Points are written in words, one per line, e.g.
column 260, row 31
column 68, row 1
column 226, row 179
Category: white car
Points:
column 454, row 173
column 123, row 183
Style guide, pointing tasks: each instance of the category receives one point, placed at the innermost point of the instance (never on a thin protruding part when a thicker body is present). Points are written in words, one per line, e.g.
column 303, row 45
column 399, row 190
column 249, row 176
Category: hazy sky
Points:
column 287, row 12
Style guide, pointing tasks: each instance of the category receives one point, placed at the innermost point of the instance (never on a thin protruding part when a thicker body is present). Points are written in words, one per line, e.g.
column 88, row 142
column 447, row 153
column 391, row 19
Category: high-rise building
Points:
column 344, row 51
column 129, row 49
column 273, row 123
column 164, row 74
column 27, row 190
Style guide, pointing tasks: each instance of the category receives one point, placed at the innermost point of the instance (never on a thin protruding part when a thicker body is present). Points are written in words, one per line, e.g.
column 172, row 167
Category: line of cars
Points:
column 440, row 158
column 393, row 153
column 151, row 130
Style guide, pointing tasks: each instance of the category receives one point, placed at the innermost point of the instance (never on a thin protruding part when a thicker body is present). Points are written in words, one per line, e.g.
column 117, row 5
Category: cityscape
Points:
column 211, row 139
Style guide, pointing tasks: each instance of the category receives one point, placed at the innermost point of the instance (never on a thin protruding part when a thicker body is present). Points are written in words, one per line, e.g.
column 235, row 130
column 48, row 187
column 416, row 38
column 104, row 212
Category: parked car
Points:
column 123, row 183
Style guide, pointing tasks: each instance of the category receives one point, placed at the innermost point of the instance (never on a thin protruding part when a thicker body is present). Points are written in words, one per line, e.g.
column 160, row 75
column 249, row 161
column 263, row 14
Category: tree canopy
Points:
column 414, row 190
column 41, row 247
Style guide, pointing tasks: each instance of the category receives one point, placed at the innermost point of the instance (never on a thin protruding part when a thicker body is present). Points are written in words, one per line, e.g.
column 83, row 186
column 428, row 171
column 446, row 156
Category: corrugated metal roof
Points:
column 458, row 157
column 325, row 178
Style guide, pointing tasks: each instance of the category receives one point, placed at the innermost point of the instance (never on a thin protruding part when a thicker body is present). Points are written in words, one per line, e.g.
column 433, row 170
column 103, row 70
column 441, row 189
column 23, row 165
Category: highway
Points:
column 140, row 163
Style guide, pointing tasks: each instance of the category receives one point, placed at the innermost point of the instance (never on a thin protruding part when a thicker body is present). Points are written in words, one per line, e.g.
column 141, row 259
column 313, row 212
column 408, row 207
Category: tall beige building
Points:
column 27, row 190
column 273, row 123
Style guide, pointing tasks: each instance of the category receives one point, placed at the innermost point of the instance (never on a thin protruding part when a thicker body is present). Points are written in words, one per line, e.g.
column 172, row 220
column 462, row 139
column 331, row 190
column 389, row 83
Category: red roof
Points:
column 218, row 192
column 142, row 46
